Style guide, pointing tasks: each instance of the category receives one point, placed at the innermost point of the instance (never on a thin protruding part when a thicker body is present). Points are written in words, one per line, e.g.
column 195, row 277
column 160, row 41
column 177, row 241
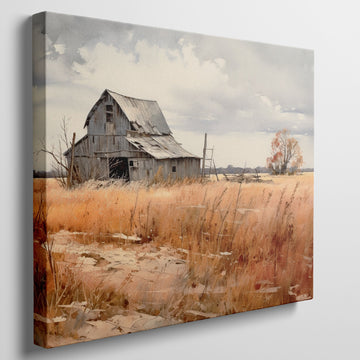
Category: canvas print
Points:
column 173, row 177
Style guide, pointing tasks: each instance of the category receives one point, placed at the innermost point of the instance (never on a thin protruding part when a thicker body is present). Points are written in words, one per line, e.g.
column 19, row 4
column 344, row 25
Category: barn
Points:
column 129, row 138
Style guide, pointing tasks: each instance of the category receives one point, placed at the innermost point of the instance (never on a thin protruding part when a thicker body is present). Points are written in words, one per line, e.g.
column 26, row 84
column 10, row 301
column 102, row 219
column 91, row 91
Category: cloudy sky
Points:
column 239, row 92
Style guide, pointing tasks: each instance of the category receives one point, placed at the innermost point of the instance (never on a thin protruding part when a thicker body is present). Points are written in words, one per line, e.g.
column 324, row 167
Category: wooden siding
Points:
column 139, row 168
column 147, row 168
column 106, row 138
column 97, row 122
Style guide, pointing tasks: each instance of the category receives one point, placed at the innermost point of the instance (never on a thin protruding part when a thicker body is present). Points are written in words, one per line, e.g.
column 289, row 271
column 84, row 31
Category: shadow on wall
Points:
column 24, row 130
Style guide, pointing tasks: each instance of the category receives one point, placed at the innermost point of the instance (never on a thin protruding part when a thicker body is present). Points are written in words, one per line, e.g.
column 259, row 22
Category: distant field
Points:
column 171, row 253
column 268, row 177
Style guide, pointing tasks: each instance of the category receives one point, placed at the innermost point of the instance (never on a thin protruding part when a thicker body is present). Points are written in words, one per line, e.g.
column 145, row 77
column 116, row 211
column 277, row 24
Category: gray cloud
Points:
column 202, row 83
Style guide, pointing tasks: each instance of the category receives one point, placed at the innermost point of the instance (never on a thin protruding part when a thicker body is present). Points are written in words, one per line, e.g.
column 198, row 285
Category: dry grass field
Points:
column 112, row 258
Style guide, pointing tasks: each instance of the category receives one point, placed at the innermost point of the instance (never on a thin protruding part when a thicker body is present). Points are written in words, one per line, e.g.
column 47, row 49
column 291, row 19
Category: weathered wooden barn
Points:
column 129, row 139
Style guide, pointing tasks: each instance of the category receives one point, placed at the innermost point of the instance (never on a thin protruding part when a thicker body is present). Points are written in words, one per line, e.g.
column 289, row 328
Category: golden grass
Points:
column 249, row 244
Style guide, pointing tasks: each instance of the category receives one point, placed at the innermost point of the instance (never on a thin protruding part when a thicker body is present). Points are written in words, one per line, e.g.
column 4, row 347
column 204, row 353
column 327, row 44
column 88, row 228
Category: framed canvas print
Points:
column 173, row 177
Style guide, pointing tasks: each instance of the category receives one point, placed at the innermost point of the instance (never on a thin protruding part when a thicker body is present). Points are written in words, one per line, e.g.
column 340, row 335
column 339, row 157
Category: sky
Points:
column 239, row 92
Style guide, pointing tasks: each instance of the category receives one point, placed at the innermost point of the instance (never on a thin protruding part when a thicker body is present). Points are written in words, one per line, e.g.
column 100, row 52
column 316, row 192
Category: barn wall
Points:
column 146, row 169
column 109, row 136
column 97, row 167
column 92, row 167
column 142, row 168
column 184, row 167
column 113, row 145
column 98, row 124
column 93, row 163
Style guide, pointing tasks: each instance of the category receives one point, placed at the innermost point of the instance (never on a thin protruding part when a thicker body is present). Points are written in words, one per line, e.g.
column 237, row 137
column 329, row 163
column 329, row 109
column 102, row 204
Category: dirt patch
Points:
column 133, row 285
column 99, row 260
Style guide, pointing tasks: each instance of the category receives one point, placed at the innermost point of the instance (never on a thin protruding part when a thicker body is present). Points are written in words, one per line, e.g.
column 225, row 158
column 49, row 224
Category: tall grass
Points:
column 246, row 246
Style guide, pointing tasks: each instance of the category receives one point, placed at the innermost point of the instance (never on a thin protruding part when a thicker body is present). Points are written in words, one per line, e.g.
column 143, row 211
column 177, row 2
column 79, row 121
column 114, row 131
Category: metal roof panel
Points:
column 146, row 114
column 160, row 147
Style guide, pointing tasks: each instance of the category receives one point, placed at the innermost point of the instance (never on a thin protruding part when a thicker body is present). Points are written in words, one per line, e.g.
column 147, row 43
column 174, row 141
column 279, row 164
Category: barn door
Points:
column 119, row 168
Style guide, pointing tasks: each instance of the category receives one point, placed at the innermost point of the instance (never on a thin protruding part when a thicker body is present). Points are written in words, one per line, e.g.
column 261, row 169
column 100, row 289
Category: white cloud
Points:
column 235, row 97
column 177, row 79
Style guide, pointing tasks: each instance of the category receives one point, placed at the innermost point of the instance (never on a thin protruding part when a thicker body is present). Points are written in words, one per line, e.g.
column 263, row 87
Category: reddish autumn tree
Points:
column 285, row 151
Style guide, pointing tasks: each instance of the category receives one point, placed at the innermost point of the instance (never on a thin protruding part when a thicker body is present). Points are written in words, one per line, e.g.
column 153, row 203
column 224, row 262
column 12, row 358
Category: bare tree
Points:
column 65, row 173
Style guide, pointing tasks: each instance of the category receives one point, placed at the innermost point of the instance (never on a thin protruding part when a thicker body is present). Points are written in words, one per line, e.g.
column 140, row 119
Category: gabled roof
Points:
column 160, row 147
column 144, row 115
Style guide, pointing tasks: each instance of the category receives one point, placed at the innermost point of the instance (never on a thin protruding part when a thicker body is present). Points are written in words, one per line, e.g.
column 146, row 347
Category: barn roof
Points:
column 144, row 115
column 76, row 144
column 160, row 147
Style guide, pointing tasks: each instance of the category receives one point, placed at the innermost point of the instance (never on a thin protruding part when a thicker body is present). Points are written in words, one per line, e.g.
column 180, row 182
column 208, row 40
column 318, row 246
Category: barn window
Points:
column 173, row 168
column 109, row 113
column 133, row 163
column 93, row 139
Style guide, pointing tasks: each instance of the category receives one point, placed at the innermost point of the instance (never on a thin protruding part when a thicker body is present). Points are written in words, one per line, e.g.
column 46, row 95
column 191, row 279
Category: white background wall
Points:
column 326, row 326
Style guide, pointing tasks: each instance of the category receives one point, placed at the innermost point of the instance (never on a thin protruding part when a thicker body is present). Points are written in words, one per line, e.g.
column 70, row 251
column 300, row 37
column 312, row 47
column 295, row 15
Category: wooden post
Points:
column 204, row 156
column 69, row 178
column 217, row 178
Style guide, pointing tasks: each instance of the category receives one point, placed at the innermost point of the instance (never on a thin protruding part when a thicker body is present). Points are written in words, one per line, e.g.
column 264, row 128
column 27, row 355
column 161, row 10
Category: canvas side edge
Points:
column 40, row 329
